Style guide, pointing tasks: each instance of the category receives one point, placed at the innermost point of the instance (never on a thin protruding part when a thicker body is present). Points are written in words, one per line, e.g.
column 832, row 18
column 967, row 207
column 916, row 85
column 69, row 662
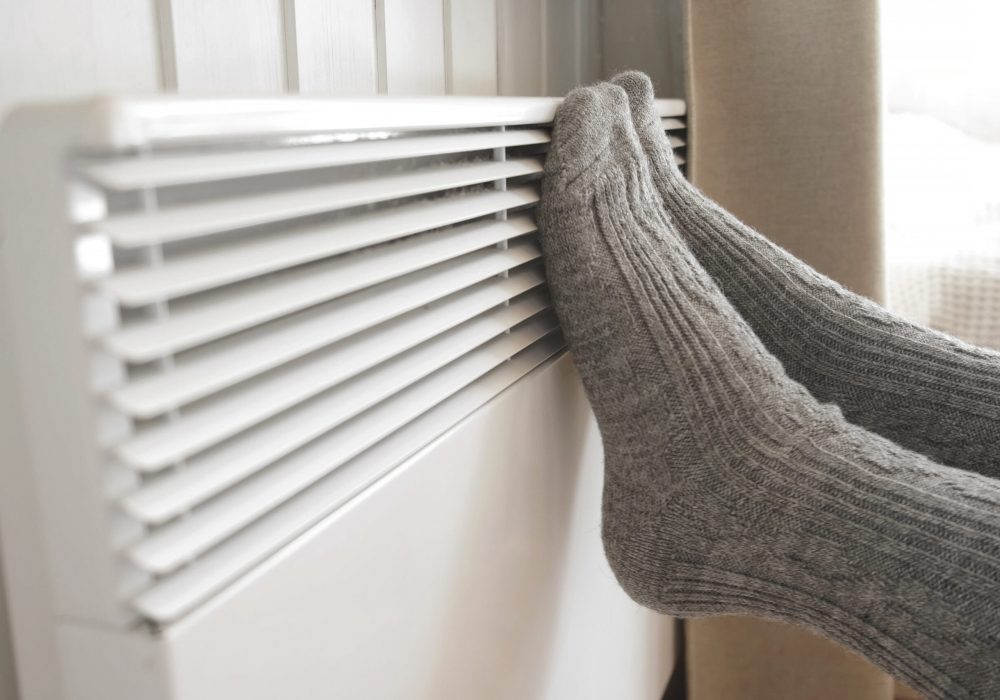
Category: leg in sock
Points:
column 919, row 388
column 728, row 488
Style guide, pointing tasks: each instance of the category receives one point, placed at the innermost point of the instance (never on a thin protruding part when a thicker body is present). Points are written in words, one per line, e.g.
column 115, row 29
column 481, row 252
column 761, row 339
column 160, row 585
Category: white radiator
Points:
column 226, row 324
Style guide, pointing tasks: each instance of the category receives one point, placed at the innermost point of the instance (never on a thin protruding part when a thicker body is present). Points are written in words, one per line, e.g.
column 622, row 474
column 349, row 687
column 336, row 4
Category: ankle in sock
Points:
column 917, row 387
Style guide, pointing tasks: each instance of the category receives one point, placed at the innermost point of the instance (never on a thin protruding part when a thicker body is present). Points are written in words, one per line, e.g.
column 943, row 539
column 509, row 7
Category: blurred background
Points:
column 942, row 165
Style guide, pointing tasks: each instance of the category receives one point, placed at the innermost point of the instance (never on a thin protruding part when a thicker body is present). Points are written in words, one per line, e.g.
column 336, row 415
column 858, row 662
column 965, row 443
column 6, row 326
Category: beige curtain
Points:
column 784, row 102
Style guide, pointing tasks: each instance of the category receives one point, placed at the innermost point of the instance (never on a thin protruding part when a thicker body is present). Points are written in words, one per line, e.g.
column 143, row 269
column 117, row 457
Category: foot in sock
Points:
column 919, row 388
column 728, row 488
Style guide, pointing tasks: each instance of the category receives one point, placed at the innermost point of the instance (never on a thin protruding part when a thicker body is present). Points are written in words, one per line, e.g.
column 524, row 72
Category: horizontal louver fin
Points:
column 174, row 596
column 234, row 309
column 189, row 221
column 243, row 259
column 162, row 171
column 196, row 122
column 230, row 361
column 173, row 545
column 226, row 414
column 672, row 124
column 211, row 472
column 676, row 142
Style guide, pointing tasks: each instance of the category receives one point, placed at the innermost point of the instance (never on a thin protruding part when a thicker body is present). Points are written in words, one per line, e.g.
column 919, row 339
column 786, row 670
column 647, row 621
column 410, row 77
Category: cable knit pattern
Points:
column 922, row 389
column 729, row 489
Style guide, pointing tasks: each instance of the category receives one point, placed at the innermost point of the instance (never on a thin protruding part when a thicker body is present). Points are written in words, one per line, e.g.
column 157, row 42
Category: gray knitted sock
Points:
column 924, row 390
column 728, row 488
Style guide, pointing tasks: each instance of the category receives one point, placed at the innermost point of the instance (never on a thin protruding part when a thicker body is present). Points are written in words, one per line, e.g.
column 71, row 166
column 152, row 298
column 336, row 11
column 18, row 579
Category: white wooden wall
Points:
column 61, row 48
column 647, row 35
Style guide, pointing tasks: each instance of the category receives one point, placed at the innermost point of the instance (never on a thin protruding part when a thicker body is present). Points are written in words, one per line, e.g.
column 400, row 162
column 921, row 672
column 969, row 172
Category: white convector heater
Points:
column 286, row 413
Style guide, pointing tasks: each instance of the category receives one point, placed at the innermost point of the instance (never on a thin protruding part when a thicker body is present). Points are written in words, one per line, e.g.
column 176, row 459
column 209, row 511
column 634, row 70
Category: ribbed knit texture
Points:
column 728, row 488
column 921, row 389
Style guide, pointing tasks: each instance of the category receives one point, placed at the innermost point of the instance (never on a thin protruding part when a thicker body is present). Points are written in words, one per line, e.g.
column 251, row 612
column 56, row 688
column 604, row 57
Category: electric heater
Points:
column 286, row 411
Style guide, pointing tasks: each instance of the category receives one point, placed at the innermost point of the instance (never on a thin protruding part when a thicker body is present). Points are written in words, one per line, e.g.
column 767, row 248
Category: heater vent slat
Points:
column 170, row 547
column 243, row 259
column 196, row 375
column 236, row 309
column 214, row 470
column 210, row 422
column 207, row 218
column 163, row 171
column 174, row 596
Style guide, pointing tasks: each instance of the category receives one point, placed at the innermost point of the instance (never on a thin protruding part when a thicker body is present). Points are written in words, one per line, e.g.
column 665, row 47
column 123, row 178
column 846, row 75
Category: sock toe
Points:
column 592, row 131
column 639, row 90
column 578, row 136
column 646, row 121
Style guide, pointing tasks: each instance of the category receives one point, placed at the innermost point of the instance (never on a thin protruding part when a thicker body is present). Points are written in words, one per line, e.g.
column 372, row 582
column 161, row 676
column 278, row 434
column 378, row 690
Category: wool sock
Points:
column 922, row 389
column 728, row 488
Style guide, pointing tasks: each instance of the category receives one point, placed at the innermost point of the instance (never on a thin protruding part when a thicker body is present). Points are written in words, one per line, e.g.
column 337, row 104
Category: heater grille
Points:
column 277, row 319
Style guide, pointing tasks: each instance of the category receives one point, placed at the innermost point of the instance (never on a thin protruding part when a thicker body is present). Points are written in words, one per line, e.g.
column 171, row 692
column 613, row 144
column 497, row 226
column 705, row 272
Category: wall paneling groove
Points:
column 330, row 47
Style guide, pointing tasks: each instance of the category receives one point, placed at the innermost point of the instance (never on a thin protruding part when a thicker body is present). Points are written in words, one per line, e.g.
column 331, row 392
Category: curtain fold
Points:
column 784, row 121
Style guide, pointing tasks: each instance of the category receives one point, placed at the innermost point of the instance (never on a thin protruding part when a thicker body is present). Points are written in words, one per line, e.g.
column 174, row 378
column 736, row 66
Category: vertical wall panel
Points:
column 471, row 41
column 589, row 33
column 64, row 48
column 572, row 43
column 678, row 50
column 331, row 46
column 520, row 33
column 224, row 46
column 562, row 58
column 413, row 46
column 645, row 35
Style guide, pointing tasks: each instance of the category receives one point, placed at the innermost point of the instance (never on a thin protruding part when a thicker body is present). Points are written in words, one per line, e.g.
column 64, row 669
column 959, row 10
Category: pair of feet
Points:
column 769, row 437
